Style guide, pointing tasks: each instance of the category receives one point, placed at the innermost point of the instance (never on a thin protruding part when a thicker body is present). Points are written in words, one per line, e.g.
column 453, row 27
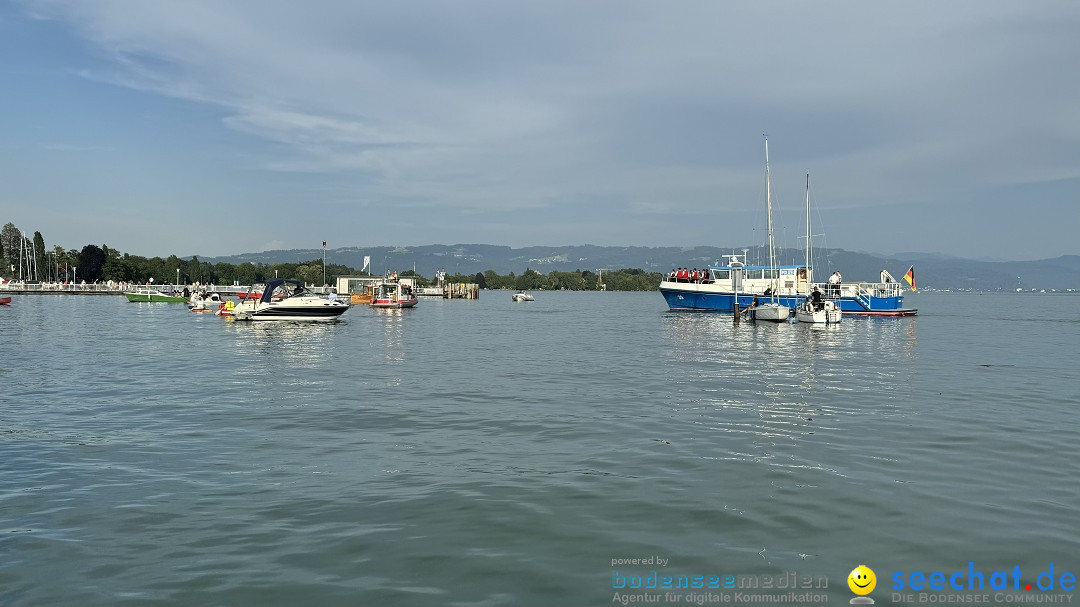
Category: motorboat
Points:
column 153, row 295
column 201, row 301
column 5, row 301
column 287, row 299
column 522, row 296
column 391, row 293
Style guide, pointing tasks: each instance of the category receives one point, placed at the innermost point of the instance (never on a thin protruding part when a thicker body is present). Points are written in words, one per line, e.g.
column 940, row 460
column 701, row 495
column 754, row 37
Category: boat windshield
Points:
column 286, row 290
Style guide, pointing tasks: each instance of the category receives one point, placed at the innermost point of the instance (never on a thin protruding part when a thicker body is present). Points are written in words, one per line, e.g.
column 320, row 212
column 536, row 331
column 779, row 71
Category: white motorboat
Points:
column 522, row 296
column 283, row 299
column 201, row 301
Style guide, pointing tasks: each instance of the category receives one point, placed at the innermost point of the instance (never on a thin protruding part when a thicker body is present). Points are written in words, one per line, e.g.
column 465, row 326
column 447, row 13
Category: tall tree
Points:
column 11, row 240
column 59, row 262
column 91, row 263
column 72, row 258
column 41, row 261
column 172, row 264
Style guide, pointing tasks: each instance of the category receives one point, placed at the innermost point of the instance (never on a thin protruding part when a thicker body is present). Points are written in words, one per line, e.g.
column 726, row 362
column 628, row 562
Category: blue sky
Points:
column 214, row 128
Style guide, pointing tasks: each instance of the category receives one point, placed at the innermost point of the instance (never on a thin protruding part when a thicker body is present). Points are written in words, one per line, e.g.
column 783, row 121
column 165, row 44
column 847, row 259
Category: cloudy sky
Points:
column 219, row 127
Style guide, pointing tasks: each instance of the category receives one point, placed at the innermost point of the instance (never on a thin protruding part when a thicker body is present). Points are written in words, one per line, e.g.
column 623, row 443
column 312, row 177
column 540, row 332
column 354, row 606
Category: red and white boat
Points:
column 391, row 293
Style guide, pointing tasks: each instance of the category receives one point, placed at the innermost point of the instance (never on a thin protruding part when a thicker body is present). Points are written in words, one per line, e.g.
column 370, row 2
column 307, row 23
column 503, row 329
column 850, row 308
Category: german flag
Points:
column 910, row 277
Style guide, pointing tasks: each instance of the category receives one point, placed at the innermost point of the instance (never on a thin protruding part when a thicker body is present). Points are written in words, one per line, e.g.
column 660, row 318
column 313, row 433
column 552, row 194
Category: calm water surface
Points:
column 496, row 453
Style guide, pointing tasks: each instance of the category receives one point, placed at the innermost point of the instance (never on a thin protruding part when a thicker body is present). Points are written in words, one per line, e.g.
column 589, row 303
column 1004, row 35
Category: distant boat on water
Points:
column 153, row 295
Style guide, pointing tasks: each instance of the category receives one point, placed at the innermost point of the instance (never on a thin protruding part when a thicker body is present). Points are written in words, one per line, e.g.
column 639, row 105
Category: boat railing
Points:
column 701, row 280
column 867, row 290
column 861, row 291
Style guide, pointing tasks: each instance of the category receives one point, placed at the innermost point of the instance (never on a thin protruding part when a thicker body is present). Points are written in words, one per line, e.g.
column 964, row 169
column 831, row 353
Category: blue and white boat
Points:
column 736, row 286
column 719, row 286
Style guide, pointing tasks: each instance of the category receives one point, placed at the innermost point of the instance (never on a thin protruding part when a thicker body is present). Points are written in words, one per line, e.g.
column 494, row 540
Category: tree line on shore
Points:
column 27, row 259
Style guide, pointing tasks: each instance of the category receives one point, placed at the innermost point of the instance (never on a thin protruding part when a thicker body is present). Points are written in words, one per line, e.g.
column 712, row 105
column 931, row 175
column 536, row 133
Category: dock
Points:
column 30, row 288
column 447, row 291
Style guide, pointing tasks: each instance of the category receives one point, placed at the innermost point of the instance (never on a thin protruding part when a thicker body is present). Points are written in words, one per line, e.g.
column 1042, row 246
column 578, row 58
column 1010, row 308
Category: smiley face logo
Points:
column 862, row 580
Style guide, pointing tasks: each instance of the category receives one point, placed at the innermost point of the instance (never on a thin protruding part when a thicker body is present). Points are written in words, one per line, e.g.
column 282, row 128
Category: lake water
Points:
column 495, row 453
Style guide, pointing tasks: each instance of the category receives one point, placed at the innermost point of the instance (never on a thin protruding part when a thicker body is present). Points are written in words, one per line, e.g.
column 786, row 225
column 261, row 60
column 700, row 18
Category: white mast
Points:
column 768, row 203
column 809, row 249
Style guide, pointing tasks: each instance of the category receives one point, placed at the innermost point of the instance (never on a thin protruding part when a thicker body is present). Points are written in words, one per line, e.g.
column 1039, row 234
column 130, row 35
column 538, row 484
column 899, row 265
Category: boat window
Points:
column 721, row 274
column 753, row 274
column 771, row 273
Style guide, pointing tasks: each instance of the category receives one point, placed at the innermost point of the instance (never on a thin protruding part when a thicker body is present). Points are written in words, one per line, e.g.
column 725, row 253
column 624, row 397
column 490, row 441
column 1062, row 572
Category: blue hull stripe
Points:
column 722, row 302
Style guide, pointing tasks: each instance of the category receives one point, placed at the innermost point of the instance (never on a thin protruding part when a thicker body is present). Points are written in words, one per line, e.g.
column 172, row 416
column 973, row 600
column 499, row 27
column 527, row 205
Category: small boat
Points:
column 390, row 293
column 286, row 299
column 201, row 301
column 153, row 295
column 5, row 301
column 815, row 310
column 522, row 296
column 829, row 313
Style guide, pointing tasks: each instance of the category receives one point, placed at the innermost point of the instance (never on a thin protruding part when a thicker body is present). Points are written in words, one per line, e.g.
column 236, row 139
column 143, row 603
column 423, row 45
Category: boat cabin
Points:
column 783, row 280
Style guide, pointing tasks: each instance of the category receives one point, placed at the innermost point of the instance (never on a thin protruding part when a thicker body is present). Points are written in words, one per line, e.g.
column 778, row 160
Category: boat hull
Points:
column 692, row 297
column 771, row 313
column 823, row 317
column 274, row 311
column 393, row 303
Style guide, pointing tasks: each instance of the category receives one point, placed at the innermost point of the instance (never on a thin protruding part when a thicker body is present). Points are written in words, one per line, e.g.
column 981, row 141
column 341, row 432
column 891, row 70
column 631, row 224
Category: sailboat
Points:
column 771, row 310
column 815, row 309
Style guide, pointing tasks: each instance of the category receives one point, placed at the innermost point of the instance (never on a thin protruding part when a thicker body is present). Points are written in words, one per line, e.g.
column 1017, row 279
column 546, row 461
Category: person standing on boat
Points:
column 834, row 284
column 815, row 299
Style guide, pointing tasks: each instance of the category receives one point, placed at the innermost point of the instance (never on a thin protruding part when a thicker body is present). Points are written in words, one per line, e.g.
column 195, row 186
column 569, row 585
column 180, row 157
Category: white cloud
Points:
column 649, row 107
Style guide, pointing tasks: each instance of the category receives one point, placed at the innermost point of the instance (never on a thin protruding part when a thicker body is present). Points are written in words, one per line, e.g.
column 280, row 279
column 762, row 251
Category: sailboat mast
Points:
column 768, row 205
column 809, row 247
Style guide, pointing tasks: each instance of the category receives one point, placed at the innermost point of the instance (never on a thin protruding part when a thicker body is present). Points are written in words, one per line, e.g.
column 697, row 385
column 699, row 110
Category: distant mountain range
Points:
column 931, row 270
